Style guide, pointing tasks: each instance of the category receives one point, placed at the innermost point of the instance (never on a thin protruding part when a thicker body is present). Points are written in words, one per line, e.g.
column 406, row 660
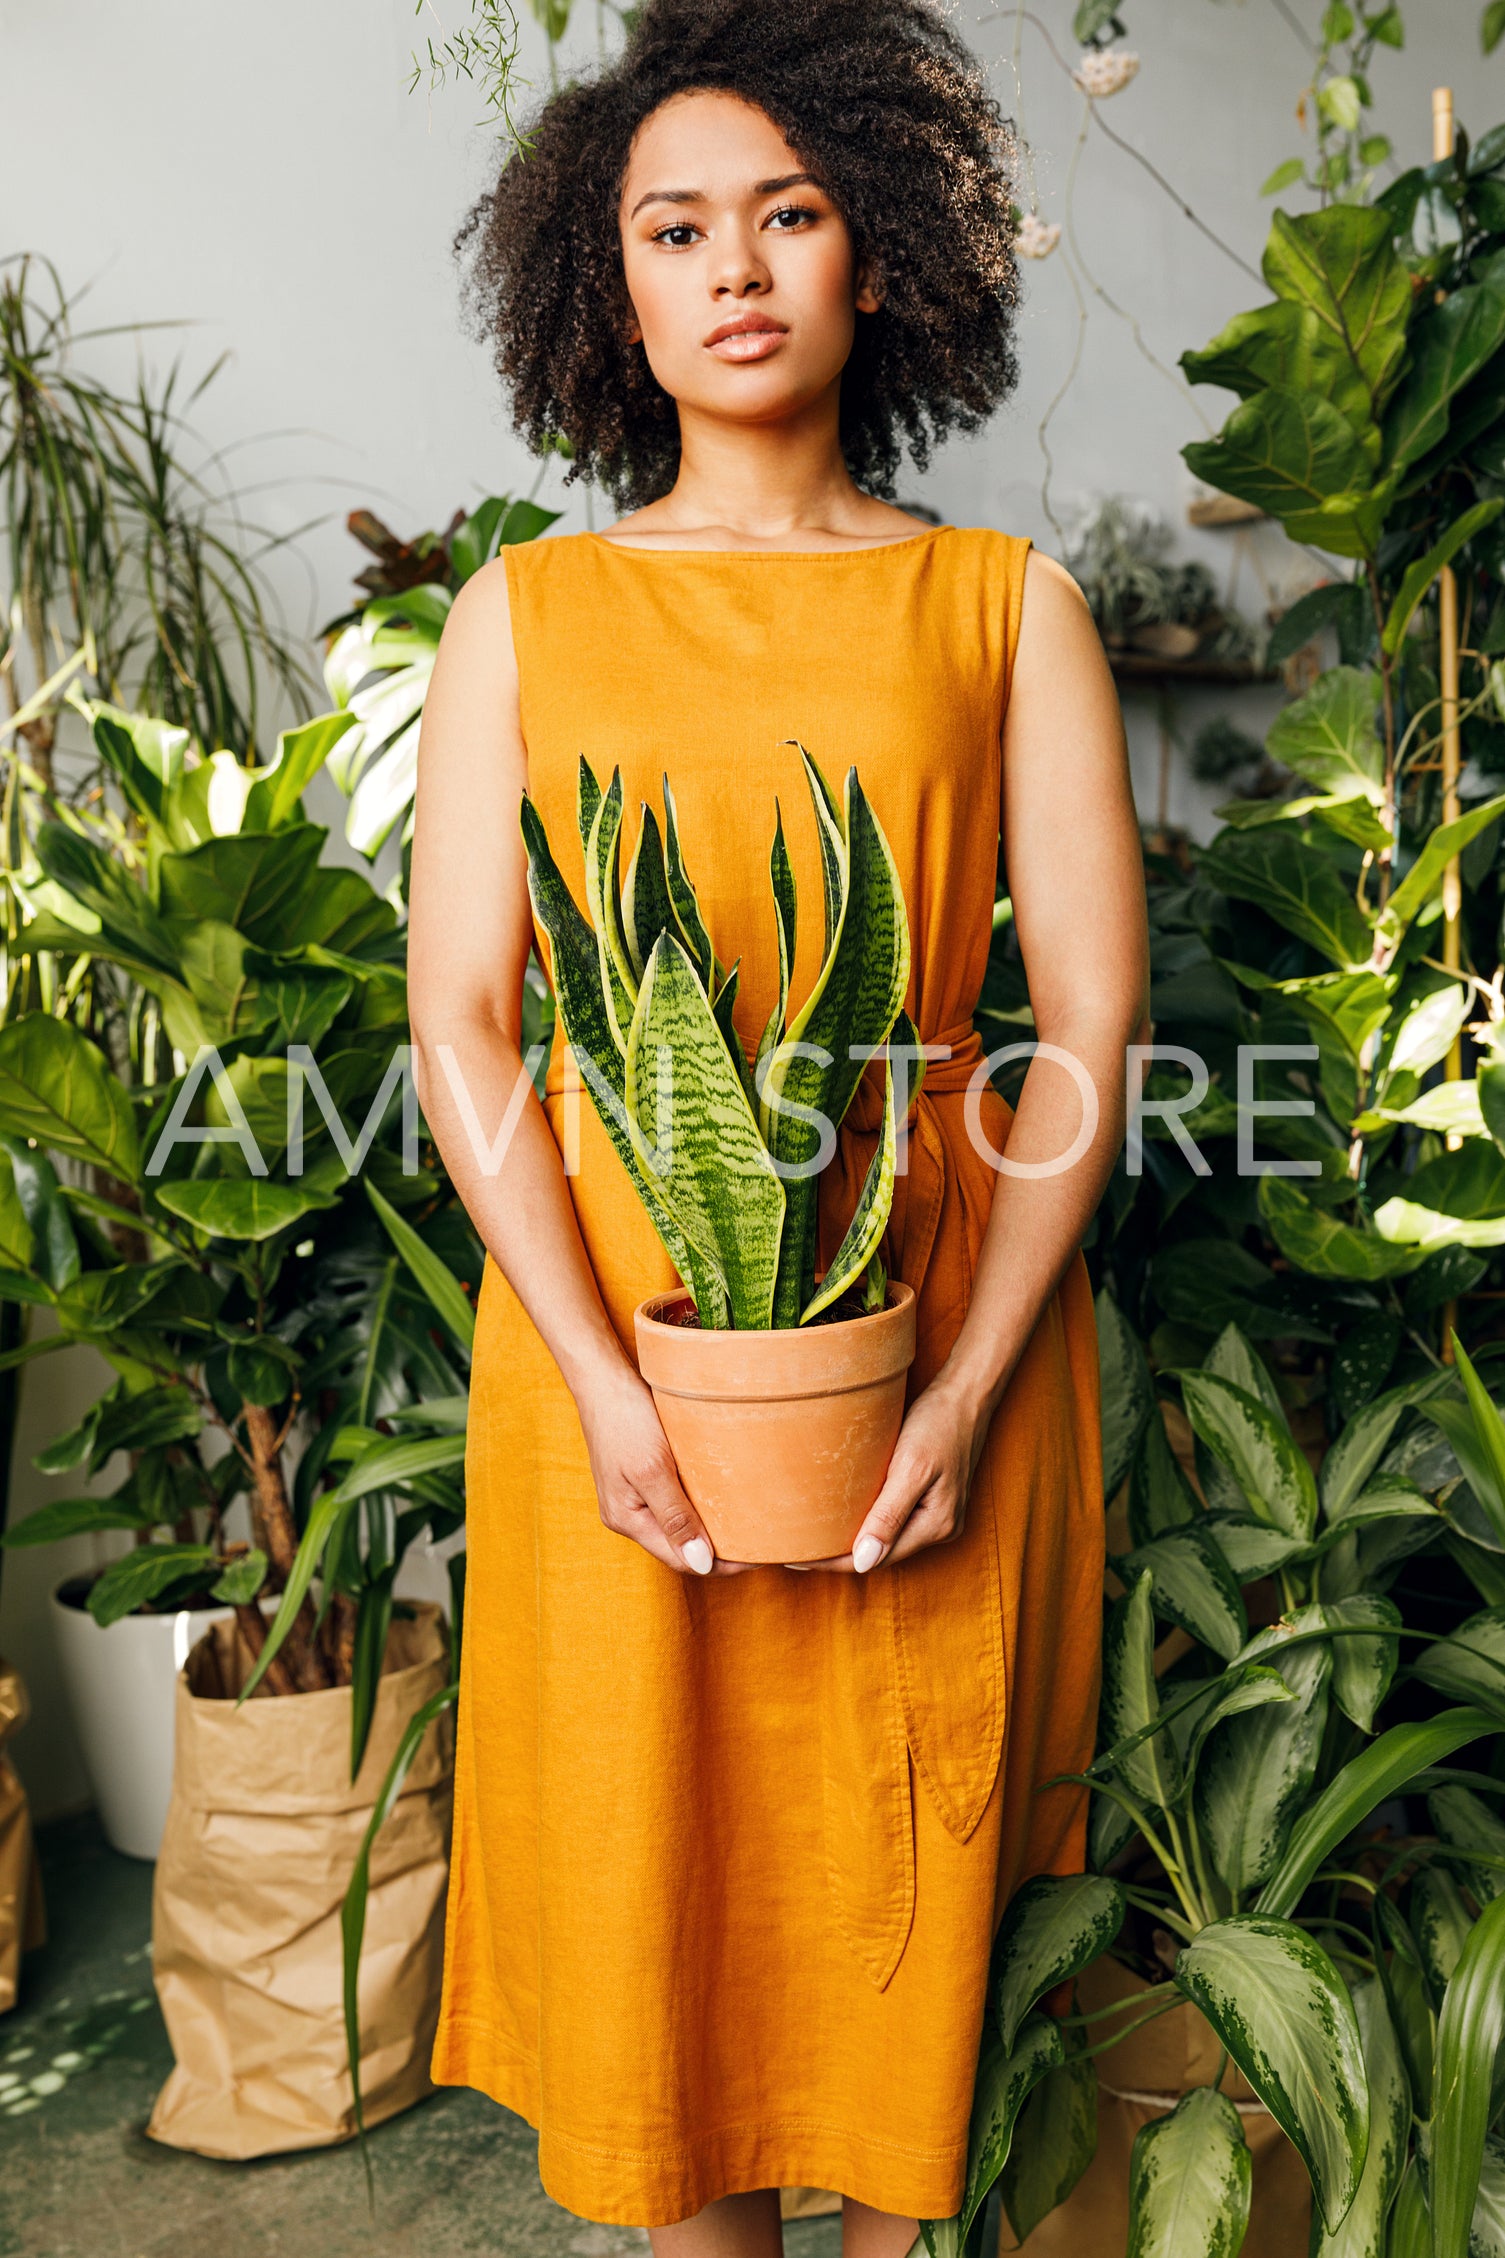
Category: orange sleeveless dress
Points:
column 728, row 1856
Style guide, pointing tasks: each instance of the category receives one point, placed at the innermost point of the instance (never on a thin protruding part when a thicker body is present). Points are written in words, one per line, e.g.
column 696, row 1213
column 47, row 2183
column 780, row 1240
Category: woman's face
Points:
column 740, row 269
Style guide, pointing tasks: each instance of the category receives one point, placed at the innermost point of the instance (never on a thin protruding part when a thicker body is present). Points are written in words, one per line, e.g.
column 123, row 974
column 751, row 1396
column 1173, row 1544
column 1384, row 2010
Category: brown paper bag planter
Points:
column 1144, row 2078
column 261, row 1838
column 21, row 1923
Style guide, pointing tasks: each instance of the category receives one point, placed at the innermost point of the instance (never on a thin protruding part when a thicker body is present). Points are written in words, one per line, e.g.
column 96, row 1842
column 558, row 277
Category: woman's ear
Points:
column 869, row 292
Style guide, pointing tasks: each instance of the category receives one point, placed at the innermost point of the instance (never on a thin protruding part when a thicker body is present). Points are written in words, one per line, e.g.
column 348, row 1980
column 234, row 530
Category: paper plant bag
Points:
column 1142, row 2079
column 261, row 1838
column 21, row 1924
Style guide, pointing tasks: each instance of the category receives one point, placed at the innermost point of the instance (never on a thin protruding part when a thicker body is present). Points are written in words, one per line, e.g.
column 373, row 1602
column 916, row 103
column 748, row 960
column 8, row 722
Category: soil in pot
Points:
column 782, row 1438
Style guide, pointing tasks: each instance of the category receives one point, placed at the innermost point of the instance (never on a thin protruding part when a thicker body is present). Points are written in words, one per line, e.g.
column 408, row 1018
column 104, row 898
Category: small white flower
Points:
column 1105, row 70
column 1036, row 238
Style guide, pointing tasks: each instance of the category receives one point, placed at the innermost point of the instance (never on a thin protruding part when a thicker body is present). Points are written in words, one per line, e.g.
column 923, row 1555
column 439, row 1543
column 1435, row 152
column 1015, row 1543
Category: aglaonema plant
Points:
column 1354, row 1973
column 725, row 1155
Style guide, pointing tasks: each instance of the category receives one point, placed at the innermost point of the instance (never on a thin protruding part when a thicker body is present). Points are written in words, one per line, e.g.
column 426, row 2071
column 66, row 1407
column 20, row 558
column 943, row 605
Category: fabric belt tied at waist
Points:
column 922, row 1172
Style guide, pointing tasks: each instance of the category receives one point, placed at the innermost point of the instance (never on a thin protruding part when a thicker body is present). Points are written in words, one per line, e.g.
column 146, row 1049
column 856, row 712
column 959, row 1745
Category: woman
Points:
column 731, row 1845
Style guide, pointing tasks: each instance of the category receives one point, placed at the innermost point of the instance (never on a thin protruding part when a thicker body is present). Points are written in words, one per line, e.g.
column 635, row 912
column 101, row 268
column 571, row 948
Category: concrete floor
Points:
column 83, row 2054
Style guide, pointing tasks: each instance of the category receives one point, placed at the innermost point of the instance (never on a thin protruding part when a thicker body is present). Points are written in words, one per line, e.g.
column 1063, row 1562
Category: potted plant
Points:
column 279, row 1301
column 757, row 1367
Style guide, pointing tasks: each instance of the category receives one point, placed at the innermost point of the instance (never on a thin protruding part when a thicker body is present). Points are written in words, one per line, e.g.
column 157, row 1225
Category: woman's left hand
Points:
column 923, row 1500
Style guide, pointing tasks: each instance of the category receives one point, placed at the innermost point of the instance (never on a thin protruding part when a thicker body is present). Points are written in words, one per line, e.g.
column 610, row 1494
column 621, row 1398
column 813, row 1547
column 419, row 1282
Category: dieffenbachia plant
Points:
column 726, row 1156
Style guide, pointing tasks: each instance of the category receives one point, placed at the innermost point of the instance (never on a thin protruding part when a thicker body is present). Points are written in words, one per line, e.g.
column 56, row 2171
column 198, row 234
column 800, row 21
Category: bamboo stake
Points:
column 1452, row 877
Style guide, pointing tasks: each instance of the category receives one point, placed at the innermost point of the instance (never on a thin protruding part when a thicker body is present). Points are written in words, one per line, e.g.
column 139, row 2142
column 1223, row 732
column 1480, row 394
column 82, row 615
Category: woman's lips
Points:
column 752, row 341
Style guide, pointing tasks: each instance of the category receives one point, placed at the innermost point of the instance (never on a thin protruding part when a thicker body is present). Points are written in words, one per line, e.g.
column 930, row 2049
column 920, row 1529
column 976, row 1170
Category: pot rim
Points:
column 786, row 1363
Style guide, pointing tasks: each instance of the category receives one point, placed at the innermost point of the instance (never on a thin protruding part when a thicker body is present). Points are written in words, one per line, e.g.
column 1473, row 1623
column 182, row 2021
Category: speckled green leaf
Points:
column 1054, row 2141
column 1469, row 1665
column 1359, row 1449
column 1282, row 2010
column 1470, row 2031
column 1363, row 1667
column 603, row 894
column 1257, row 1449
column 1257, row 1769
column 715, row 1178
column 1466, row 1821
column 1052, row 1927
column 1254, row 1686
column 1126, row 1394
column 786, row 925
column 1362, row 2233
column 1005, row 2081
column 1131, row 1697
column 1160, row 1496
column 1440, row 1922
column 1193, row 1585
column 1189, row 2181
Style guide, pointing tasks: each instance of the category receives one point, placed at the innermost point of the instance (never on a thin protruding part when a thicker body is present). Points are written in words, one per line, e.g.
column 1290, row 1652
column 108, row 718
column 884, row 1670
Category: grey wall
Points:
column 262, row 174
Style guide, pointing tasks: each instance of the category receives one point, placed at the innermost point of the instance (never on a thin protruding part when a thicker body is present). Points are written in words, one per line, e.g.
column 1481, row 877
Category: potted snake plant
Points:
column 780, row 1391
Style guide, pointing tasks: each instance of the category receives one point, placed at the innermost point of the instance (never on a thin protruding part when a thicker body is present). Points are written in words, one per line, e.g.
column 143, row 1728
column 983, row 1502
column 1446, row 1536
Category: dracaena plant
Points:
column 270, row 1325
column 724, row 1155
column 1353, row 1969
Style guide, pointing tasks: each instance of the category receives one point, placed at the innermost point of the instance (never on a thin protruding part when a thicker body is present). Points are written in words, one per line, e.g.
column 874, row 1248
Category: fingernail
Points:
column 699, row 1556
column 866, row 1554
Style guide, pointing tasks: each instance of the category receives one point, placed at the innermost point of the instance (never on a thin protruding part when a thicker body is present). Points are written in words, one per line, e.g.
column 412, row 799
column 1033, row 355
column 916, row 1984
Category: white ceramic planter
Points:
column 121, row 1689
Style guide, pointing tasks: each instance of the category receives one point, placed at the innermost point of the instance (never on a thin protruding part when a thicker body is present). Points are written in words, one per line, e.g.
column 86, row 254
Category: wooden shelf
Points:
column 1143, row 666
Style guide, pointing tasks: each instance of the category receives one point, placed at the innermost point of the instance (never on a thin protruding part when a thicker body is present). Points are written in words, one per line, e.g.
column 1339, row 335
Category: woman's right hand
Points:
column 637, row 1482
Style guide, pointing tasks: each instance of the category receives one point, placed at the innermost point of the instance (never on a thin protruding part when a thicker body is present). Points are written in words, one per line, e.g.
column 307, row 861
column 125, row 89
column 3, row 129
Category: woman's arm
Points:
column 1077, row 885
column 469, row 935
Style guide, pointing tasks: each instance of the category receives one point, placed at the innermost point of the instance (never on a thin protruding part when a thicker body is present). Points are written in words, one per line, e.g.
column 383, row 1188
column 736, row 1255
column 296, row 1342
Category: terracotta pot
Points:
column 782, row 1439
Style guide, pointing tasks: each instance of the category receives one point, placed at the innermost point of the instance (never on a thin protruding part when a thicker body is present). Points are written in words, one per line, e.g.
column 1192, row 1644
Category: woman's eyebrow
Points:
column 697, row 195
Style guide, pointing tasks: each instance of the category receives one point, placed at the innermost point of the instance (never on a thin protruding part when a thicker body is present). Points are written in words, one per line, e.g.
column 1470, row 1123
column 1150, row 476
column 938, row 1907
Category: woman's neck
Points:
column 783, row 484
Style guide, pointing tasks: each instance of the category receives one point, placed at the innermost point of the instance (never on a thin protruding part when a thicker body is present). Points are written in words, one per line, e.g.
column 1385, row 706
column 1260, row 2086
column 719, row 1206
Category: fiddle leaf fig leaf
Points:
column 1329, row 736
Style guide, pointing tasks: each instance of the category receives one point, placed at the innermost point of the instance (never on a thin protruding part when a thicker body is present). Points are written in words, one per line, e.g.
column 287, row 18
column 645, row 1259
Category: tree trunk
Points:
column 277, row 1534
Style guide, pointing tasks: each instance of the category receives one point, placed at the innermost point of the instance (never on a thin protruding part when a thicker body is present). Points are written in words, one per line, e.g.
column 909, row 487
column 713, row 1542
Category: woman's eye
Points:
column 678, row 235
column 791, row 216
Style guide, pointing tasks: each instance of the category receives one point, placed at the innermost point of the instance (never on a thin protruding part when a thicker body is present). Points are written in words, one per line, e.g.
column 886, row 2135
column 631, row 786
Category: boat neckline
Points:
column 773, row 556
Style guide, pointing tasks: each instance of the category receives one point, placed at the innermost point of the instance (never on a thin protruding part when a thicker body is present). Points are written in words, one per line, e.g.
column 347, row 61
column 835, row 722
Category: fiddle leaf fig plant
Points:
column 726, row 1157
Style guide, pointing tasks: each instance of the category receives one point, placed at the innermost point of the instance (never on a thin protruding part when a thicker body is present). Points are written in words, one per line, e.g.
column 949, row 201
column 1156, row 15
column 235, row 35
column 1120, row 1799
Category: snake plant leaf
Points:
column 1160, row 1496
column 870, row 1220
column 1006, row 2077
column 1052, row 1927
column 785, row 918
column 1362, row 2232
column 1466, row 1821
column 646, row 908
column 1470, row 2030
column 832, row 828
column 811, row 1078
column 1284, row 2013
column 578, row 967
column 1192, row 1585
column 1189, row 2181
column 1131, row 1697
column 619, row 985
column 1257, row 1449
column 1378, row 1772
column 1469, row 1665
column 1257, row 1768
column 685, row 902
column 1055, row 2139
column 716, row 1178
column 587, row 800
column 1124, row 1391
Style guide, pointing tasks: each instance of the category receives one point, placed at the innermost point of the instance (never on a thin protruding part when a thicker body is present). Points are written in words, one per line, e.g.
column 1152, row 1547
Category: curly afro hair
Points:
column 884, row 106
